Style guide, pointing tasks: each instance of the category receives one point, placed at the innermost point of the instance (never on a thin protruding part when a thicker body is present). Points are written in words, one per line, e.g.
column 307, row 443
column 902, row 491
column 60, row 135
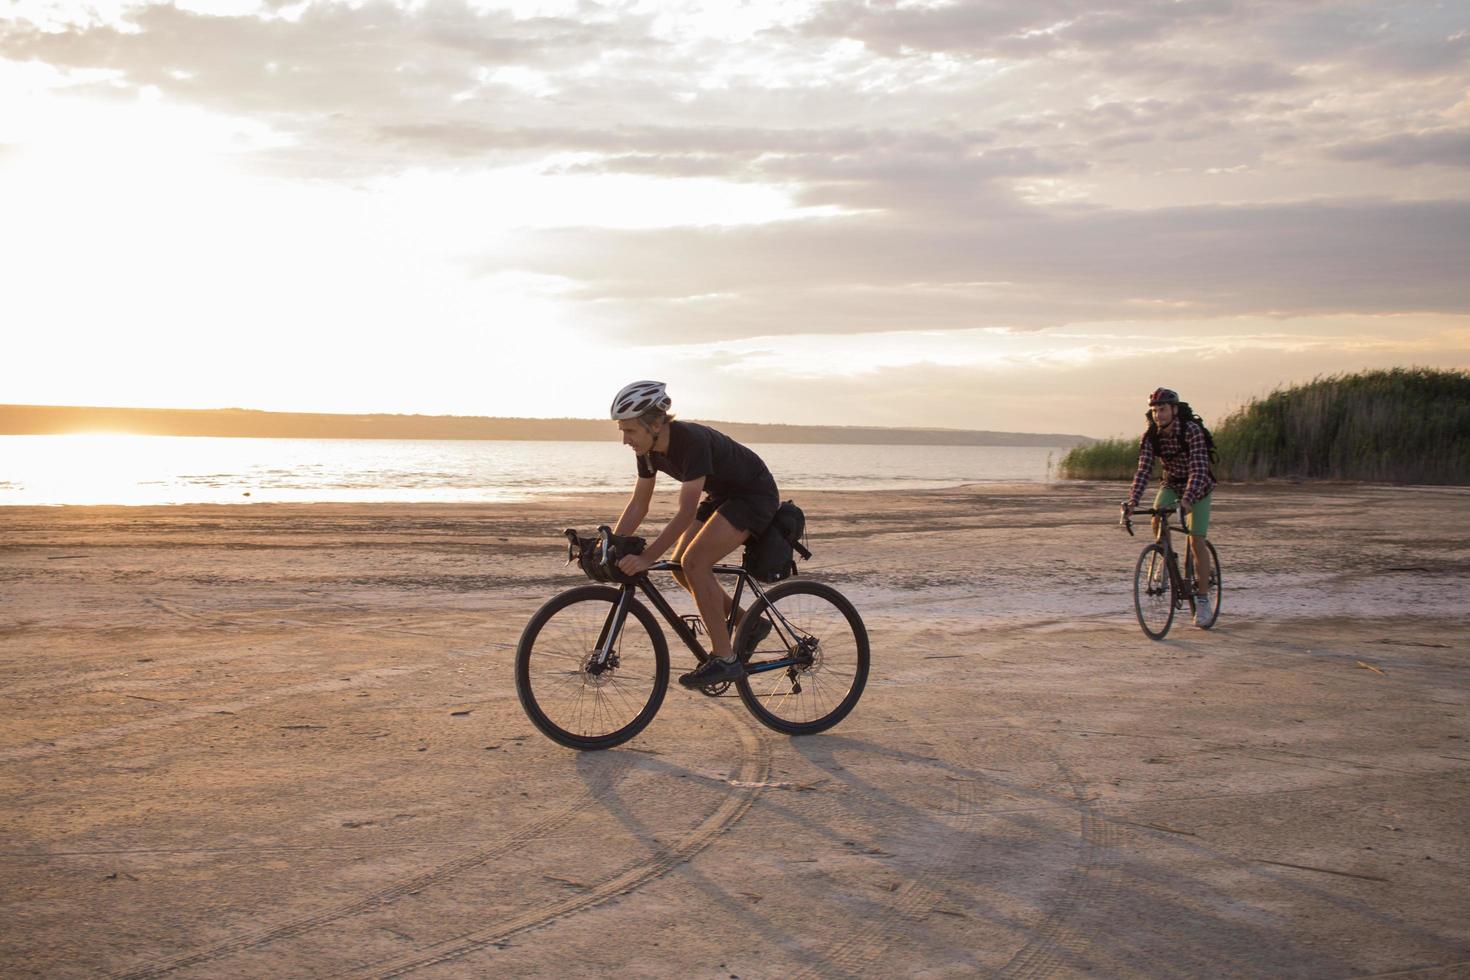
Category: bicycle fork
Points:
column 612, row 630
column 1159, row 572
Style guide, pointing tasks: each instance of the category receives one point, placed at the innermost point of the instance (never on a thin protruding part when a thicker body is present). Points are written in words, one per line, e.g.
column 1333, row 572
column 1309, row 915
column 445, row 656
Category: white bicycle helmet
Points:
column 639, row 397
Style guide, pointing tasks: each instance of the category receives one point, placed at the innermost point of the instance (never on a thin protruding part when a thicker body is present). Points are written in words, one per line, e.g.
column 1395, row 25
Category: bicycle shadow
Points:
column 730, row 904
column 1169, row 910
column 1179, row 922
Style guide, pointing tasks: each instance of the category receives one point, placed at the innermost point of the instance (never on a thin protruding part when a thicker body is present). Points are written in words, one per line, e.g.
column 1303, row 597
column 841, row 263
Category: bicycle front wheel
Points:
column 1153, row 593
column 1215, row 590
column 808, row 672
column 567, row 694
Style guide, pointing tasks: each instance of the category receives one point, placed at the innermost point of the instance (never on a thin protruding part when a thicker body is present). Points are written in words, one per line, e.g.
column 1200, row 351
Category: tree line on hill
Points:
column 246, row 423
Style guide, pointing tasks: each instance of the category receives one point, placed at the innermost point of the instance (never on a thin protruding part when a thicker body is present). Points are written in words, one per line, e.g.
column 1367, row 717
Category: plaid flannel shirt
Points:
column 1186, row 467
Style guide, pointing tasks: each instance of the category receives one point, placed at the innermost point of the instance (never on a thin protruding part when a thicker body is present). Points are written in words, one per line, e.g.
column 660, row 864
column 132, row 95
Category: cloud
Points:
column 1382, row 35
column 955, row 165
column 742, row 146
column 1092, row 385
column 1216, row 80
column 339, row 74
column 1445, row 148
column 355, row 90
column 1031, row 270
column 996, row 28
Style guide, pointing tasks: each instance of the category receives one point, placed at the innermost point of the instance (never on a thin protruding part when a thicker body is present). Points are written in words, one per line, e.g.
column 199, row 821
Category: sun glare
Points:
column 567, row 192
column 91, row 467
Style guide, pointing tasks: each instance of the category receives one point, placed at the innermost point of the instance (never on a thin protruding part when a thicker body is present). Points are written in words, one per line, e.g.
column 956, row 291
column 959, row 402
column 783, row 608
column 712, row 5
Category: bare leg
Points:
column 714, row 541
column 1202, row 567
column 682, row 578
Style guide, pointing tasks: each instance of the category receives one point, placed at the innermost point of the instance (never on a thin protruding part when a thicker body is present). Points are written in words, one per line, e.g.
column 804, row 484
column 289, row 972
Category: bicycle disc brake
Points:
column 595, row 669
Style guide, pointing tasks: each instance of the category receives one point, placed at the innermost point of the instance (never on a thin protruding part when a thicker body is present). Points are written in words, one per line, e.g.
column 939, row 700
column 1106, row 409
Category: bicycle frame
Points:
column 1182, row 586
column 607, row 640
column 803, row 649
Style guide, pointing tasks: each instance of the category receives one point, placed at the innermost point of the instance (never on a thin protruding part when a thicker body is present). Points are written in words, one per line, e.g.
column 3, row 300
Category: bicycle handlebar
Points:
column 577, row 546
column 575, row 543
column 609, row 546
column 1126, row 521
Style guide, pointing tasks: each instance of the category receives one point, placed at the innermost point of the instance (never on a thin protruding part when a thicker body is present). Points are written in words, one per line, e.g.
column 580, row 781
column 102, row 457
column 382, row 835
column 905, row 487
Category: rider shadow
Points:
column 1174, row 922
column 864, row 909
column 732, row 905
column 943, row 843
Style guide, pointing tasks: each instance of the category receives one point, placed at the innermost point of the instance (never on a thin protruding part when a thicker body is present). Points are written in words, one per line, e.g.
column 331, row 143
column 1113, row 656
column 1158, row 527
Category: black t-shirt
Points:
column 729, row 469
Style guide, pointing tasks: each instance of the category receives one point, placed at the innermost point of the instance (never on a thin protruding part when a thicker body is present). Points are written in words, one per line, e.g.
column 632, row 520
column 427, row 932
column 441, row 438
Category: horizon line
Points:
column 523, row 418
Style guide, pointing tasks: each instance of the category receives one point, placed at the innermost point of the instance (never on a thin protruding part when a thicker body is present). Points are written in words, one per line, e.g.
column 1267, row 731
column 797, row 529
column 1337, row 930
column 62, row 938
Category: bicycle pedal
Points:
column 695, row 624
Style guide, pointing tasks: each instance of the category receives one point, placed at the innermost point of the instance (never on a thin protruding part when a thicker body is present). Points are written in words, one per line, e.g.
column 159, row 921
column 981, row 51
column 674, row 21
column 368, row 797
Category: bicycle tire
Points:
column 1154, row 600
column 814, row 697
column 571, row 706
column 1217, row 590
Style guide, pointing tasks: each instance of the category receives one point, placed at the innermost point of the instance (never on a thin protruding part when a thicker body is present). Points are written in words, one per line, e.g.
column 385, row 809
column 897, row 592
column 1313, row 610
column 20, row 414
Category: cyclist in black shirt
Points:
column 740, row 500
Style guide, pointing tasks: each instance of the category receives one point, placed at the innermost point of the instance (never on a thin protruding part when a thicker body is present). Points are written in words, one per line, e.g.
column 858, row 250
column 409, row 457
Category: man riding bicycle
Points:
column 740, row 501
column 1176, row 437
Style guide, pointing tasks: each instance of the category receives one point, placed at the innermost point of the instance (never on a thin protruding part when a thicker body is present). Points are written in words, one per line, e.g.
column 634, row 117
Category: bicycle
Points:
column 592, row 665
column 1159, row 589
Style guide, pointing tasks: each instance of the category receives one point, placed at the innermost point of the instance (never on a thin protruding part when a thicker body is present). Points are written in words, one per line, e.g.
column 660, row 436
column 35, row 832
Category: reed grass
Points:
column 1403, row 425
column 1106, row 459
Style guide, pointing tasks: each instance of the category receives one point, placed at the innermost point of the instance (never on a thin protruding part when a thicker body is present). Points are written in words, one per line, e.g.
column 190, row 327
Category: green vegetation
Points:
column 1106, row 459
column 1405, row 425
column 1398, row 426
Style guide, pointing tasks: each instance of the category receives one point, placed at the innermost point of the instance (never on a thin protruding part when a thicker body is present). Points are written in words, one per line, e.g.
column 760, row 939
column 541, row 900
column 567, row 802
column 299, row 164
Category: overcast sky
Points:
column 996, row 215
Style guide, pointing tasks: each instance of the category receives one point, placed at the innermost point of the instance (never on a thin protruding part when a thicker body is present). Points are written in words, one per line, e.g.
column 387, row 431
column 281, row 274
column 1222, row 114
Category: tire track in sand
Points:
column 1052, row 948
column 914, row 901
column 301, row 925
column 1055, row 947
column 755, row 767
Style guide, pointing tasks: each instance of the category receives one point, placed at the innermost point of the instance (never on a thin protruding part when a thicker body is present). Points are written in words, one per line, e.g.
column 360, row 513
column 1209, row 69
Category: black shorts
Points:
column 748, row 512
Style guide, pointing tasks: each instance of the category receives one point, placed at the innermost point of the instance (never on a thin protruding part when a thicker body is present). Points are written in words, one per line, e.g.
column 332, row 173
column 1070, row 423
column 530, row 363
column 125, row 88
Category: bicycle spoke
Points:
column 1153, row 592
column 818, row 629
column 570, row 695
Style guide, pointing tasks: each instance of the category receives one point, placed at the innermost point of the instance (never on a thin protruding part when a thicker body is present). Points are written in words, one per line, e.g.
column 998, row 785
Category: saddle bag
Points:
column 769, row 556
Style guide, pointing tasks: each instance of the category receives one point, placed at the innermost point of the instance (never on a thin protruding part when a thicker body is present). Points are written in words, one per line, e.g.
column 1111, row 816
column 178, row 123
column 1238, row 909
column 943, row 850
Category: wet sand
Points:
column 274, row 740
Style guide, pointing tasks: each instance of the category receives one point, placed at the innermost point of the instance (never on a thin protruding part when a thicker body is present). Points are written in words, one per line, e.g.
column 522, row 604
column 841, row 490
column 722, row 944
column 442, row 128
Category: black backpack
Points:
column 768, row 557
column 1186, row 416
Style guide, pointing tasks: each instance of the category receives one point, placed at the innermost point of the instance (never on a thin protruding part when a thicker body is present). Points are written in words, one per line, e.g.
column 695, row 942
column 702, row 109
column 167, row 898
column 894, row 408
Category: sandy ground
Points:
column 272, row 741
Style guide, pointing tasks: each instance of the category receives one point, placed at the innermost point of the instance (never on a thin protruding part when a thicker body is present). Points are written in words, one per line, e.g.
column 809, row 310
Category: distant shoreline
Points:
column 248, row 423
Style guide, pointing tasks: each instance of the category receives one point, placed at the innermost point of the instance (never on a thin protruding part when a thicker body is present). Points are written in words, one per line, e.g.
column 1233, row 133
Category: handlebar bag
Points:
column 590, row 557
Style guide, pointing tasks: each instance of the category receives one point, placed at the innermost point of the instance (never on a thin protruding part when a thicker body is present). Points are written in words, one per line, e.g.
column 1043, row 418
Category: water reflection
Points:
column 109, row 468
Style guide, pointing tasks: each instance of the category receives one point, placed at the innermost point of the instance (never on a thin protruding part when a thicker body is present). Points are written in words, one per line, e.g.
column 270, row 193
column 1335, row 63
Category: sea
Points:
column 149, row 470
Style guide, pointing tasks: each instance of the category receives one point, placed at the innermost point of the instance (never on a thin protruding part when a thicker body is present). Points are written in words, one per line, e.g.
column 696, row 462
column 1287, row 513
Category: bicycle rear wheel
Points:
column 808, row 673
column 571, row 699
column 1216, row 590
column 1153, row 593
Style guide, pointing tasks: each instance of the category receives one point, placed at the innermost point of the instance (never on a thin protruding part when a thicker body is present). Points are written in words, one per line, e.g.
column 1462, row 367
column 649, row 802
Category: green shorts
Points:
column 1199, row 515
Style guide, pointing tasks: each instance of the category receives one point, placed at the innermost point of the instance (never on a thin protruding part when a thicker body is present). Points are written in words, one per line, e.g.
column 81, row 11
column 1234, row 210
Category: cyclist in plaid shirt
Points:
column 1188, row 479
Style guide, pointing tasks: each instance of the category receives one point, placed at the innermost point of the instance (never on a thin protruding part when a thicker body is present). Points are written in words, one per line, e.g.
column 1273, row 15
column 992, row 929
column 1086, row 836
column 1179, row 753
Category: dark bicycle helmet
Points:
column 1164, row 396
column 639, row 397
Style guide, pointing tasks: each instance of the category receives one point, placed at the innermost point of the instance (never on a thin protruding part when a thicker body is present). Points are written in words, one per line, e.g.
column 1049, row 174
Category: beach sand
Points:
column 284, row 741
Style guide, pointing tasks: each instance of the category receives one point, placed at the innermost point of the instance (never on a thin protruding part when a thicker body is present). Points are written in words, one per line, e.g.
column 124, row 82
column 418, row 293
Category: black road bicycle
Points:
column 1159, row 589
column 592, row 665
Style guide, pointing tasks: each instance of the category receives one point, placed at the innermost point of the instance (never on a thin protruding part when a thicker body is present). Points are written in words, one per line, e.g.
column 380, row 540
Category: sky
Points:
column 980, row 215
